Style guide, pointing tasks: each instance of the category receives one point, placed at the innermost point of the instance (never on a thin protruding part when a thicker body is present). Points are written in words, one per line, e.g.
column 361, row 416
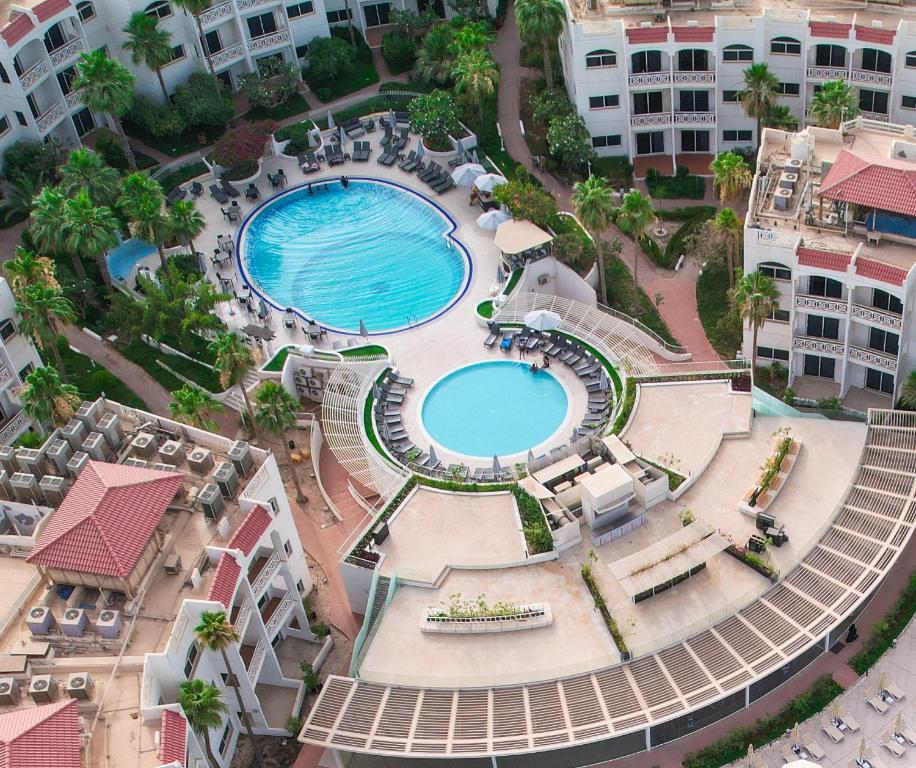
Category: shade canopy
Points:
column 543, row 320
column 519, row 236
column 492, row 219
column 258, row 331
column 488, row 181
column 465, row 175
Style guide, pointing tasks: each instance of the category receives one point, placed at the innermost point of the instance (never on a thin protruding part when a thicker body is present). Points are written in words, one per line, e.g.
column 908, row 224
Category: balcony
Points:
column 694, row 78
column 34, row 75
column 820, row 304
column 647, row 121
column 279, row 615
column 821, row 346
column 877, row 116
column 245, row 5
column 874, row 358
column 649, row 79
column 867, row 77
column 240, row 616
column 255, row 659
column 228, row 56
column 270, row 608
column 66, row 52
column 263, row 43
column 216, row 13
column 51, row 116
column 827, row 73
column 874, row 316
column 694, row 118
column 16, row 425
column 74, row 99
column 262, row 572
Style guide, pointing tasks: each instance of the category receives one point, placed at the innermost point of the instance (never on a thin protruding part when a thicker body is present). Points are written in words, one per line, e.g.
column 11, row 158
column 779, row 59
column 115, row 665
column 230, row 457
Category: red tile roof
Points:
column 885, row 184
column 224, row 581
column 17, row 29
column 173, row 736
column 250, row 531
column 813, row 257
column 884, row 273
column 41, row 737
column 49, row 8
column 693, row 34
column 638, row 35
column 875, row 35
column 106, row 520
column 828, row 29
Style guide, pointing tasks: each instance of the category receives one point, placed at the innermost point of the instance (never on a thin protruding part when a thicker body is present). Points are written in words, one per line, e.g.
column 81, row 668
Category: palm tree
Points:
column 908, row 392
column 834, row 103
column 200, row 701
column 476, row 76
column 28, row 268
column 46, row 230
column 728, row 230
column 761, row 89
column 46, row 398
column 186, row 222
column 196, row 8
column 781, row 118
column 756, row 297
column 86, row 171
column 634, row 217
column 233, row 361
column 216, row 633
column 731, row 175
column 42, row 309
column 275, row 413
column 18, row 195
column 435, row 59
column 194, row 407
column 91, row 230
column 541, row 21
column 148, row 45
column 107, row 86
column 594, row 205
column 142, row 202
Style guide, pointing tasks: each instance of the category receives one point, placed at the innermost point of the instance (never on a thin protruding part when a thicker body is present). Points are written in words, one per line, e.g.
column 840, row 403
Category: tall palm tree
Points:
column 194, row 407
column 541, row 21
column 91, row 230
column 142, row 202
column 28, row 268
column 761, row 89
column 435, row 59
column 148, row 45
column 107, row 86
column 476, row 76
column 19, row 192
column 216, row 633
column 46, row 398
column 908, row 392
column 728, row 230
column 86, row 171
column 634, row 217
column 233, row 361
column 186, row 222
column 731, row 175
column 202, row 706
column 275, row 413
column 196, row 8
column 46, row 230
column 594, row 205
column 834, row 103
column 42, row 310
column 756, row 297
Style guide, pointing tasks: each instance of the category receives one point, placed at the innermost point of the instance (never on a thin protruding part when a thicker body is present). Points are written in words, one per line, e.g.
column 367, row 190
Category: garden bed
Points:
column 369, row 350
column 720, row 322
column 753, row 561
column 538, row 538
column 886, row 630
column 294, row 105
column 92, row 380
column 480, row 618
column 148, row 359
column 485, row 309
column 619, row 282
column 683, row 186
column 601, row 606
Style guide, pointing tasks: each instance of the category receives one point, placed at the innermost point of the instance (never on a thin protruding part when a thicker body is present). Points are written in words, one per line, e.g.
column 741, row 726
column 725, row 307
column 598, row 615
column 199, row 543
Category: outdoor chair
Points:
column 229, row 189
column 892, row 745
column 878, row 703
column 219, row 195
column 196, row 189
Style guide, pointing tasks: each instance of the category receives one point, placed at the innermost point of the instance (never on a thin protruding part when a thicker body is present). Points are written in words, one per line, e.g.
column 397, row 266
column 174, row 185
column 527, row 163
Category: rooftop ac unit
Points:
column 25, row 488
column 171, row 452
column 74, row 622
column 201, row 460
column 144, row 444
column 110, row 426
column 109, row 624
column 40, row 620
column 9, row 691
column 788, row 180
column 77, row 461
column 31, row 461
column 74, row 433
column 89, row 413
column 133, row 461
column 211, row 501
column 96, row 446
column 58, row 453
column 8, row 459
column 794, row 165
column 226, row 478
column 79, row 686
column 240, row 456
column 54, row 489
column 781, row 199
column 172, row 564
column 6, row 490
column 161, row 467
column 43, row 689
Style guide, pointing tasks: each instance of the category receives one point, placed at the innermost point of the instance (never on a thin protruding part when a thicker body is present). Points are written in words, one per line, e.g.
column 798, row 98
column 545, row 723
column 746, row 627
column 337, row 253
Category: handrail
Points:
column 676, row 349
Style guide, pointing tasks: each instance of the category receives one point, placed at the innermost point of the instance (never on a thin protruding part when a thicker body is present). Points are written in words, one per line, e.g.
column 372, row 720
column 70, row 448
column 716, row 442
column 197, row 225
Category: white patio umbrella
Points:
column 459, row 148
column 543, row 320
column 421, row 150
column 488, row 181
column 492, row 219
column 465, row 175
column 362, row 329
column 331, row 124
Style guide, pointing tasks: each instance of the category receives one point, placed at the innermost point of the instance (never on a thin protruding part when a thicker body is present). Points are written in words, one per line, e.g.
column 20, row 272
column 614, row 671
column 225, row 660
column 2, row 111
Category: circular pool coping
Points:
column 449, row 235
column 541, row 448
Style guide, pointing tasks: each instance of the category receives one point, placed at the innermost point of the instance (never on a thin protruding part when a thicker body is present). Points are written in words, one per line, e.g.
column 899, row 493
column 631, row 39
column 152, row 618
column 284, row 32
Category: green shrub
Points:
column 435, row 118
column 721, row 323
column 534, row 524
column 156, row 119
column 887, row 630
column 29, row 440
column 172, row 179
column 549, row 104
column 328, row 59
column 629, row 401
column 680, row 241
column 309, row 676
column 109, row 146
column 35, row 160
column 399, row 51
column 293, row 725
column 617, row 169
column 298, row 135
column 682, row 186
column 575, row 252
column 687, row 213
column 200, row 105
column 649, row 247
column 320, row 629
column 601, row 606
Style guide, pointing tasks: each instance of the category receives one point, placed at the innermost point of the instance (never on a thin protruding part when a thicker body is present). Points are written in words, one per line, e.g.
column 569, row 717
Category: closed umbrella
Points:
column 530, row 455
column 863, row 751
column 421, row 150
column 331, row 124
column 492, row 219
column 362, row 329
column 474, row 156
column 488, row 181
column 465, row 175
column 835, row 709
column 433, row 459
column 543, row 320
column 311, row 140
column 496, row 468
column 882, row 683
column 459, row 148
column 751, row 758
column 392, row 120
column 343, row 138
column 899, row 724
column 796, row 736
column 376, row 392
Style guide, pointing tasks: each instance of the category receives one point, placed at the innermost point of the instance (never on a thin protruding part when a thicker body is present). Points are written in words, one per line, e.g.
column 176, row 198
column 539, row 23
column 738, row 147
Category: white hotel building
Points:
column 661, row 86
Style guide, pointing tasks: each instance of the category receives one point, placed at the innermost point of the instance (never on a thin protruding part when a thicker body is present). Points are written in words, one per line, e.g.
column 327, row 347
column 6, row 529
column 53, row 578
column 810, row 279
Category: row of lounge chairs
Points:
column 438, row 179
column 398, row 141
column 223, row 191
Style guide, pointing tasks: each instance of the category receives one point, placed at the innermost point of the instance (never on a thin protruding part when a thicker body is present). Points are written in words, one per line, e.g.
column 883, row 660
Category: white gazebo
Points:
column 520, row 241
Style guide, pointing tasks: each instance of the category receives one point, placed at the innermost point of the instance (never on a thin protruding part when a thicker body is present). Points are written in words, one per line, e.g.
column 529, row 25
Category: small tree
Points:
column 28, row 268
column 541, row 22
column 201, row 104
column 550, row 104
column 761, row 89
column 233, row 361
column 46, row 230
column 399, row 50
column 434, row 117
column 569, row 142
column 435, row 59
column 526, row 200
column 834, row 103
column 328, row 59
column 756, row 297
column 85, row 171
column 148, row 45
column 594, row 205
column 106, row 85
column 273, row 84
column 46, row 398
column 42, row 310
column 634, row 217
column 200, row 701
column 90, row 229
column 727, row 230
column 275, row 413
column 476, row 76
column 731, row 175
column 194, row 407
column 186, row 222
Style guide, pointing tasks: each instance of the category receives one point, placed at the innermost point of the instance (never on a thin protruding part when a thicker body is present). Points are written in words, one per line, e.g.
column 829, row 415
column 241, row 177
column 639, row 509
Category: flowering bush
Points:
column 240, row 148
column 569, row 142
column 434, row 117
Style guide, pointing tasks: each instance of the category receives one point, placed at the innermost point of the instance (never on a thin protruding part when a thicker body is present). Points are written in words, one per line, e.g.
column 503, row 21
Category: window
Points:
column 84, row 121
column 818, row 285
column 789, row 89
column 23, row 374
column 731, row 97
column 822, row 367
column 158, row 10
column 830, row 56
column 776, row 271
column 54, row 38
column 300, row 9
column 600, row 142
column 646, row 61
column 7, row 329
column 263, row 600
column 21, row 118
column 177, row 52
column 4, row 125
column 651, row 143
column 773, row 354
column 694, row 101
column 879, row 380
column 190, row 659
column 302, row 51
column 603, row 102
column 601, row 58
column 225, row 739
column 287, row 548
column 265, row 24
column 300, row 587
column 731, row 135
column 338, row 17
column 377, row 15
column 908, row 102
column 647, row 103
column 779, row 315
column 876, row 61
column 85, row 11
column 694, row 141
column 3, row 75
column 786, row 46
column 883, row 300
column 693, row 60
column 33, row 105
column 822, row 327
column 65, row 79
column 737, row 53
column 911, row 59
column 873, row 101
column 883, row 341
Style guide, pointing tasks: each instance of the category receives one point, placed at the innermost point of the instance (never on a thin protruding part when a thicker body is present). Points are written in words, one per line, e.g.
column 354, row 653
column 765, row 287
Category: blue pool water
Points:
column 371, row 252
column 498, row 407
column 123, row 259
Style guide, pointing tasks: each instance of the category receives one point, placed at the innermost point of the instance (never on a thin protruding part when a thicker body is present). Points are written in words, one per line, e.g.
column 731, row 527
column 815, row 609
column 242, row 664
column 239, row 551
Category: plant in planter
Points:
column 239, row 150
column 272, row 85
column 434, row 117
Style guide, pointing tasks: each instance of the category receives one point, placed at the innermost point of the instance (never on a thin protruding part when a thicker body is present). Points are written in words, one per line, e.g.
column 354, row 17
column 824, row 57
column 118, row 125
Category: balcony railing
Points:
column 257, row 658
column 820, row 304
column 14, row 427
column 241, row 623
column 649, row 79
column 644, row 121
column 266, row 574
column 867, row 77
column 877, row 116
column 66, row 52
column 228, row 55
column 33, row 75
column 244, row 5
column 827, row 73
column 280, row 37
column 825, row 346
column 877, row 316
column 215, row 13
column 279, row 615
column 74, row 99
column 874, row 358
column 694, row 118
column 694, row 78
column 49, row 118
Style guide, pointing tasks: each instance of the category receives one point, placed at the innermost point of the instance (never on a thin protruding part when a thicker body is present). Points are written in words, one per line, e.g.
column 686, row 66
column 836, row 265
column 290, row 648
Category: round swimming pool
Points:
column 497, row 407
column 372, row 252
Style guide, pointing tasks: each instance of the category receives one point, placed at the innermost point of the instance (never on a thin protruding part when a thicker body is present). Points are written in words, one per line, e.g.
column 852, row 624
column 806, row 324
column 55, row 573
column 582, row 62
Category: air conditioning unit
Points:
column 226, row 478
column 43, row 689
column 31, row 461
column 171, row 452
column 8, row 459
column 160, row 467
column 794, row 165
column 74, row 433
column 200, row 460
column 109, row 624
column 77, row 461
column 89, row 413
column 133, row 461
column 54, row 489
column 144, row 444
column 24, row 519
column 110, row 426
column 25, row 488
column 9, row 691
column 96, row 446
column 240, row 456
column 6, row 490
column 172, row 564
column 40, row 620
column 788, row 180
column 305, row 372
column 74, row 622
column 58, row 453
column 79, row 686
column 781, row 198
column 211, row 501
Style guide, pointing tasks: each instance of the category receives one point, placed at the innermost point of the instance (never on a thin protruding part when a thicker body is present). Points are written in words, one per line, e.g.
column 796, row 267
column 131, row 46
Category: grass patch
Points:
column 691, row 227
column 534, row 524
column 676, row 187
column 92, row 380
column 616, row 169
column 145, row 356
column 649, row 247
column 721, row 325
column 275, row 364
column 513, row 281
column 368, row 425
column 171, row 179
column 485, row 309
column 686, row 213
column 734, row 746
column 623, row 415
column 173, row 146
column 294, row 105
column 619, row 282
column 887, row 629
column 367, row 351
column 197, row 347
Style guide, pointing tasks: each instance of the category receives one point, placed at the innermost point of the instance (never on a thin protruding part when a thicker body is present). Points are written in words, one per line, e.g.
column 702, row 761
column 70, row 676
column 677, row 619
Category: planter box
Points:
column 767, row 497
column 529, row 617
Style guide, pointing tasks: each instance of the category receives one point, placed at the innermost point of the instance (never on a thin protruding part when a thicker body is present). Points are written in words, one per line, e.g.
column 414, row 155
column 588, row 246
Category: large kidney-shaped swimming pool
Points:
column 372, row 251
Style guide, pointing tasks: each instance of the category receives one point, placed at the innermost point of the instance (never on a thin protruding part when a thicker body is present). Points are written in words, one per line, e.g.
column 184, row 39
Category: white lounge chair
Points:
column 878, row 704
column 833, row 733
column 894, row 690
column 813, row 748
column 892, row 745
column 852, row 725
